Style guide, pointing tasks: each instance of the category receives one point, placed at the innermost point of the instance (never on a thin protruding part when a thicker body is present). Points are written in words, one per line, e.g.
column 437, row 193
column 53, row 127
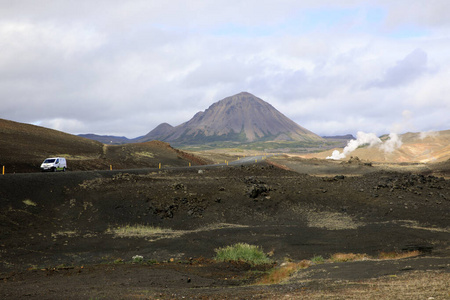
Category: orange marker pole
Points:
column 110, row 167
column 3, row 171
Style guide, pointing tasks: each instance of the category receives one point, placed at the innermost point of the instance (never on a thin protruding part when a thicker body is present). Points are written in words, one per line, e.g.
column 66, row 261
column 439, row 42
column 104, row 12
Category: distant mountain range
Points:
column 107, row 139
column 240, row 118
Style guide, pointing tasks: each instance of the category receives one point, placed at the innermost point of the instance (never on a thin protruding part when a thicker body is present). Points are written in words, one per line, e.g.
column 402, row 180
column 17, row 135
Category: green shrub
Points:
column 137, row 259
column 242, row 252
column 318, row 259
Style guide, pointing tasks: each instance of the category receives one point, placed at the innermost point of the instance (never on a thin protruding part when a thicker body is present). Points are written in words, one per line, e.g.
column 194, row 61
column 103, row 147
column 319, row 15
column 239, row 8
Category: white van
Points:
column 54, row 164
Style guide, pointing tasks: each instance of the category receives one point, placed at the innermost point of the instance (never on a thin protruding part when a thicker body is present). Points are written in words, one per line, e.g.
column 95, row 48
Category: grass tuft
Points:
column 285, row 271
column 242, row 252
column 318, row 259
column 138, row 231
column 344, row 257
column 398, row 255
column 28, row 202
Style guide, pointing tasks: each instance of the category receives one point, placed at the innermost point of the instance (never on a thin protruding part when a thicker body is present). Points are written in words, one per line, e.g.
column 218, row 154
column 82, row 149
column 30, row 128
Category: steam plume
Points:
column 392, row 143
column 363, row 138
column 425, row 134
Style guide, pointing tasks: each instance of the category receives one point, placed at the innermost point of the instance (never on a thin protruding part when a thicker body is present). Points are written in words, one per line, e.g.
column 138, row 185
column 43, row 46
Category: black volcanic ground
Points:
column 60, row 226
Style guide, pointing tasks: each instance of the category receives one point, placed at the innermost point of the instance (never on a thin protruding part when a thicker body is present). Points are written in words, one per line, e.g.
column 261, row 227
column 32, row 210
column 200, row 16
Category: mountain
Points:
column 106, row 139
column 347, row 137
column 160, row 130
column 239, row 118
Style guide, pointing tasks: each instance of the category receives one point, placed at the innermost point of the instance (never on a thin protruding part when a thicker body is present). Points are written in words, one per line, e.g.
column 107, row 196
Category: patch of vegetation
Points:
column 318, row 259
column 137, row 259
column 143, row 154
column 263, row 146
column 28, row 202
column 278, row 275
column 398, row 255
column 138, row 231
column 77, row 157
column 67, row 233
column 287, row 269
column 331, row 220
column 242, row 252
column 118, row 261
column 345, row 257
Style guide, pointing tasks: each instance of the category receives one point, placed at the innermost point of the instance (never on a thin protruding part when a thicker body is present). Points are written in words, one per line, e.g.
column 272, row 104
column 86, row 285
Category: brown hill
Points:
column 239, row 118
column 23, row 147
column 149, row 154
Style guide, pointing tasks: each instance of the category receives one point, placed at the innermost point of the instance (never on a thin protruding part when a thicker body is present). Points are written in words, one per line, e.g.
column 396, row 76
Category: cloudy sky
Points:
column 123, row 67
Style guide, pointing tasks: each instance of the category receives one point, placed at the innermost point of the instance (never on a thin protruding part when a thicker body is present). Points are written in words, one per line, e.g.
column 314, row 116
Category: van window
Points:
column 49, row 161
column 57, row 161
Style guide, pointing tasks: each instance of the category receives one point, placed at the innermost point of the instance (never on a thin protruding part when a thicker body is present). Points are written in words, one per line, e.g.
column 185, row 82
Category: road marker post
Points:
column 159, row 165
column 3, row 170
column 110, row 167
column 189, row 164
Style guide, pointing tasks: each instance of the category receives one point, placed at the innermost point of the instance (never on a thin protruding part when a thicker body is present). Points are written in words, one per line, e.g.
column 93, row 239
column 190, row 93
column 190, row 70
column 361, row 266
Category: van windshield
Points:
column 49, row 160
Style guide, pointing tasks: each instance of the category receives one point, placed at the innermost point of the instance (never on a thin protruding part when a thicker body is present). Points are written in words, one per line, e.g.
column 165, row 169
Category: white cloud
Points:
column 116, row 67
column 418, row 13
column 405, row 71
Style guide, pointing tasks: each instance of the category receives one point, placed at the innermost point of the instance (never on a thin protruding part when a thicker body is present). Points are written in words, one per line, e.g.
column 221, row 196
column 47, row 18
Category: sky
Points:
column 123, row 67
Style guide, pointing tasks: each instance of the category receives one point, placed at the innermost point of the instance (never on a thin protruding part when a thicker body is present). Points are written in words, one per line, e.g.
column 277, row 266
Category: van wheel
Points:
column 53, row 169
column 64, row 169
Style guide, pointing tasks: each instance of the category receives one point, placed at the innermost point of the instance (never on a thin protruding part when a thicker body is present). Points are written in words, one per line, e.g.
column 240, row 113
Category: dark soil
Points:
column 57, row 235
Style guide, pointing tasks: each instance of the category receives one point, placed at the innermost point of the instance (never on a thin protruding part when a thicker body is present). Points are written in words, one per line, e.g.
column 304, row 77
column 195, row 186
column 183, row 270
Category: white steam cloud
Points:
column 392, row 143
column 425, row 134
column 371, row 139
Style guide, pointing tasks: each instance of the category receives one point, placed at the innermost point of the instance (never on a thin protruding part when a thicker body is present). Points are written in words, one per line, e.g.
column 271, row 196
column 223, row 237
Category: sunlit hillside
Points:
column 416, row 147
